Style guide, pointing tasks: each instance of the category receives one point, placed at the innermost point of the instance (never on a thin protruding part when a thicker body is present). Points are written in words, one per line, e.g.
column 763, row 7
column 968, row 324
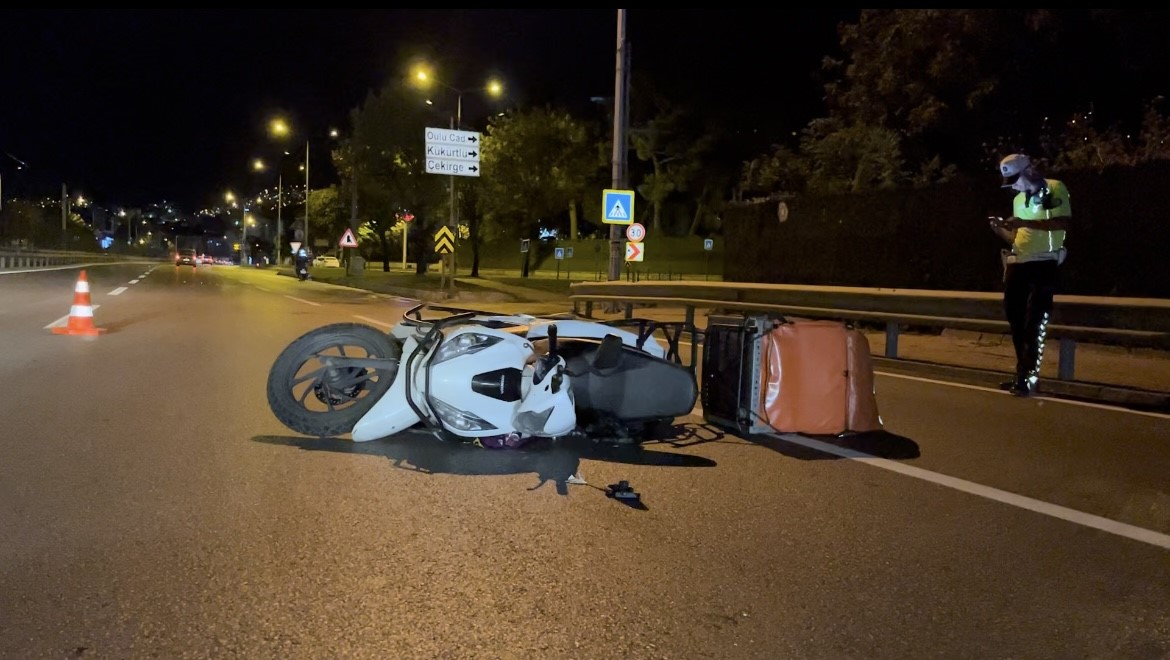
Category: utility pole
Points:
column 620, row 120
column 353, row 224
column 307, row 197
column 279, row 203
column 64, row 211
column 453, row 218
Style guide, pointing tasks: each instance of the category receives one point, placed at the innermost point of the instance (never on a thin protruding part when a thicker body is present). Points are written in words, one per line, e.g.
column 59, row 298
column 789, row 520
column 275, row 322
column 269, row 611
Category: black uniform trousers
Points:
column 1027, row 301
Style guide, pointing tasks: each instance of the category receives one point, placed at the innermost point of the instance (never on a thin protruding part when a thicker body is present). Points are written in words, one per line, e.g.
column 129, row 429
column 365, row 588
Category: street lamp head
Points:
column 279, row 127
column 258, row 165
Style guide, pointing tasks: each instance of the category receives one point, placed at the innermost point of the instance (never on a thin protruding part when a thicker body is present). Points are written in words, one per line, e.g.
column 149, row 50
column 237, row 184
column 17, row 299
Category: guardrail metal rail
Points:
column 1133, row 322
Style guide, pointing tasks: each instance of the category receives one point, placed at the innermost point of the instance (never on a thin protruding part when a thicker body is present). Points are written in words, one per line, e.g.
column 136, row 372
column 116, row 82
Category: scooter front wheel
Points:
column 310, row 396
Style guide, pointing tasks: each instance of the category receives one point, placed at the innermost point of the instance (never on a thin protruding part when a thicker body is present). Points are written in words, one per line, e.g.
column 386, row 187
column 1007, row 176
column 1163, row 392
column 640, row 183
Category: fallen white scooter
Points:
column 479, row 377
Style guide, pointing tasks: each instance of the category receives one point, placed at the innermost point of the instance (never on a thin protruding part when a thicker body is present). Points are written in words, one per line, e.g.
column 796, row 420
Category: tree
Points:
column 328, row 213
column 534, row 163
column 674, row 149
column 851, row 158
column 387, row 151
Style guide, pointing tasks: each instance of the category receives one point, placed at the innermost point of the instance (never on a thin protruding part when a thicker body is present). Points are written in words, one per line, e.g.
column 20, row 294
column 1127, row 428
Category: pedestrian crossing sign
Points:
column 617, row 206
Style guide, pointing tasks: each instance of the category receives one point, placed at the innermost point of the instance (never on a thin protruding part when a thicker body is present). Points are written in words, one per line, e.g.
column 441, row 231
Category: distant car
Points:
column 186, row 258
column 326, row 260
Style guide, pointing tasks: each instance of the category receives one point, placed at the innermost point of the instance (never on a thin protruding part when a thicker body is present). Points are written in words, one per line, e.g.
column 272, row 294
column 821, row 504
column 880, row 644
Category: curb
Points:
column 1127, row 397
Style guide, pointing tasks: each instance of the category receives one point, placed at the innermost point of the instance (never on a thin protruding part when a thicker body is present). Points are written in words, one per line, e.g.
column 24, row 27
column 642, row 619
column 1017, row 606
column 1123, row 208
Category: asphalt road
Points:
column 152, row 506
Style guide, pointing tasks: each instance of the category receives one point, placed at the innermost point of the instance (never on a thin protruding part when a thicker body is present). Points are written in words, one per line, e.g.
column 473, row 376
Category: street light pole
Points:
column 279, row 226
column 453, row 222
column 307, row 196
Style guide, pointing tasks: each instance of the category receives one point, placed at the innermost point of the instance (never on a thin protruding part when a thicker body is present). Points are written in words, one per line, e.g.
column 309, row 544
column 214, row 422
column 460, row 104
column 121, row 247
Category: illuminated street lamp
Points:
column 245, row 220
column 280, row 128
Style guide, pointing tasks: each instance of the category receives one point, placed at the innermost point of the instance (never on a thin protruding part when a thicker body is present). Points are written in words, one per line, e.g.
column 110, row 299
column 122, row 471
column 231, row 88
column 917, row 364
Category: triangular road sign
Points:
column 347, row 239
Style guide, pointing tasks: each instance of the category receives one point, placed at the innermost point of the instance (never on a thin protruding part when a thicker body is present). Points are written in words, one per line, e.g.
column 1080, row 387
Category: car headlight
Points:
column 464, row 344
column 459, row 419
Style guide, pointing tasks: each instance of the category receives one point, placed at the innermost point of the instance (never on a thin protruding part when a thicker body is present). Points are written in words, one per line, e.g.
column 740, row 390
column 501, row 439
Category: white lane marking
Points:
column 374, row 321
column 307, row 302
column 979, row 490
column 1070, row 402
column 118, row 291
column 61, row 321
column 135, row 281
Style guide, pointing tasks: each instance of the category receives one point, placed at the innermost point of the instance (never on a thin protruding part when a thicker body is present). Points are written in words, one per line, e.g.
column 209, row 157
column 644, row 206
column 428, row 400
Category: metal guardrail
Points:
column 11, row 259
column 1135, row 322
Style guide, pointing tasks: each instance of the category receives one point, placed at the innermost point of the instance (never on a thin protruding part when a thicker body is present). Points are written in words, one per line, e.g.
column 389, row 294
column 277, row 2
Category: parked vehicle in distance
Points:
column 327, row 260
column 186, row 258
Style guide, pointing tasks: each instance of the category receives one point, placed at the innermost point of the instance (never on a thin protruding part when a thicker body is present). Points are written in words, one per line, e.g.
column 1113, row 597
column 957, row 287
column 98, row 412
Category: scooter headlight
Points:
column 464, row 344
column 459, row 420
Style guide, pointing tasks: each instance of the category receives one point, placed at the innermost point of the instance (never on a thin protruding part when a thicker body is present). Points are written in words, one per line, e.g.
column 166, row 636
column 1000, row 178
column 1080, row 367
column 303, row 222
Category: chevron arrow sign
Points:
column 444, row 240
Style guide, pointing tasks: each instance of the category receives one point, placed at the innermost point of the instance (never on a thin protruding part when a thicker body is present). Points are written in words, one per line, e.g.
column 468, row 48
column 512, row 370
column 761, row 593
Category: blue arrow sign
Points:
column 617, row 206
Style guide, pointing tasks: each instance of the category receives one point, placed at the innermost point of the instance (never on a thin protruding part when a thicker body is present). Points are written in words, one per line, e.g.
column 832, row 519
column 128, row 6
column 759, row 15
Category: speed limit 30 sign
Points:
column 635, row 232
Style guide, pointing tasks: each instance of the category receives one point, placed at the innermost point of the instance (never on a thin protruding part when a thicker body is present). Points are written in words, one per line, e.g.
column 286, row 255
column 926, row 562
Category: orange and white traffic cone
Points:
column 81, row 314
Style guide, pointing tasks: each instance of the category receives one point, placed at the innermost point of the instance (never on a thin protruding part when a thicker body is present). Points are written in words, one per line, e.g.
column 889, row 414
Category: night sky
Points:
column 134, row 106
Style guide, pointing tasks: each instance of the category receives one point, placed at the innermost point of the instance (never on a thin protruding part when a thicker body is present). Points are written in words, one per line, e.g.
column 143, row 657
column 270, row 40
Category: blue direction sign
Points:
column 617, row 206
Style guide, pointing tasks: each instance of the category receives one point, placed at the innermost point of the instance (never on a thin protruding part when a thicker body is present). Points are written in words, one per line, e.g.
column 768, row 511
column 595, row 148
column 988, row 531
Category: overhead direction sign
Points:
column 444, row 240
column 635, row 251
column 617, row 206
column 451, row 152
column 452, row 137
column 347, row 239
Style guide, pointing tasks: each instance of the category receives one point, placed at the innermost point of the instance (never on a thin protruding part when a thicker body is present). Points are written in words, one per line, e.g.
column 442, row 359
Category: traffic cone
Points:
column 81, row 314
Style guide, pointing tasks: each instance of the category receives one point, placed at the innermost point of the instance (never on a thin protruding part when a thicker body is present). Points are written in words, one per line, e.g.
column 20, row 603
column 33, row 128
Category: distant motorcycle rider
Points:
column 301, row 264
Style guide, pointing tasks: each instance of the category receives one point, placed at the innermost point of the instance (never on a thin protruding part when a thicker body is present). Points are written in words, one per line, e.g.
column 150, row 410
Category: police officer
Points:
column 1041, row 212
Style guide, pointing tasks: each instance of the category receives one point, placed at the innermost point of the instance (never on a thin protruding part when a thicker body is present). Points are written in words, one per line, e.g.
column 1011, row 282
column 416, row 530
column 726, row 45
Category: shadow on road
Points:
column 549, row 460
column 880, row 444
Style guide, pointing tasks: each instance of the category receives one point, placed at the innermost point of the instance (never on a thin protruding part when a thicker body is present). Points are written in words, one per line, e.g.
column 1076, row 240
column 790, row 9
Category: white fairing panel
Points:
column 391, row 414
column 450, row 381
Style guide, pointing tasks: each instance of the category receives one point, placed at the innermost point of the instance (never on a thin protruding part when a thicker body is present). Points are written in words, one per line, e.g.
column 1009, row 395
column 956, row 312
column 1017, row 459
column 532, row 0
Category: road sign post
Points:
column 708, row 245
column 635, row 232
column 617, row 206
column 454, row 153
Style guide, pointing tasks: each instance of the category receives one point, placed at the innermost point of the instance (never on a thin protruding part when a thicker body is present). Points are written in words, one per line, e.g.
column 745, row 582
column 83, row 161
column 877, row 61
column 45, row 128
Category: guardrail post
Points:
column 891, row 339
column 689, row 326
column 629, row 310
column 588, row 309
column 1068, row 354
